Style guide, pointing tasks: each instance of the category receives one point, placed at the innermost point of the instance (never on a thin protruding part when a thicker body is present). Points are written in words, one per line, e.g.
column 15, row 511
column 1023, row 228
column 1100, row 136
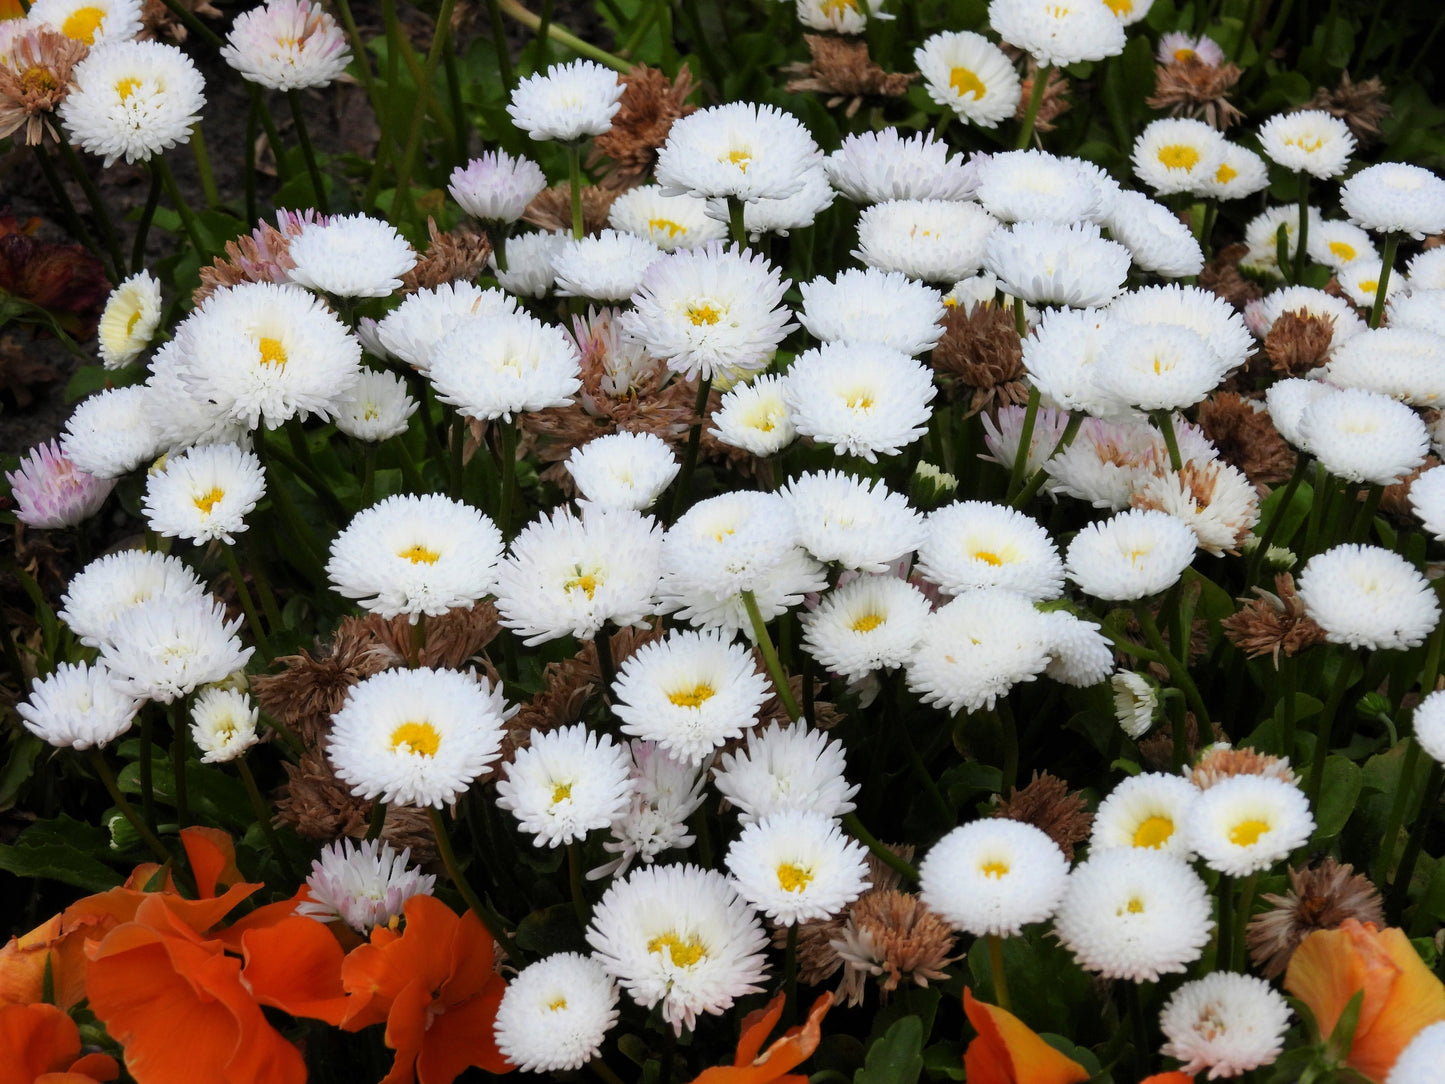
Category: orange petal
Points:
column 36, row 1039
column 295, row 966
column 1010, row 1052
column 1175, row 1077
column 212, row 854
column 463, row 1036
column 757, row 1026
column 22, row 964
column 794, row 1048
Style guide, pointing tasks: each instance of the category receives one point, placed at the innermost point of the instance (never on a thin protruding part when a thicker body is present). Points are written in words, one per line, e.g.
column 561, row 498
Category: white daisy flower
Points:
column 77, row 706
column 739, row 149
column 785, row 768
column 1153, row 810
column 1050, row 264
column 223, row 724
column 1216, row 499
column 623, row 469
column 376, row 408
column 1079, row 654
column 970, row 75
column 415, row 554
column 1133, row 555
column 1338, row 244
column 1178, row 154
column 556, row 1013
column 1426, row 270
column 132, row 99
column 364, row 885
column 666, row 791
column 1363, row 436
column 689, row 693
column 669, row 222
column 1062, row 357
column 609, row 266
column 1226, row 1023
column 1058, row 34
column 993, row 877
column 1106, row 462
column 1368, row 597
column 1240, row 173
column 776, row 588
column 1262, row 314
column 979, row 544
column 978, row 647
column 1361, row 282
column 1309, row 141
column 1156, row 366
column 679, row 935
column 874, row 167
column 48, row 491
column 1399, row 361
column 852, row 522
column 112, row 432
column 1247, row 823
column 351, row 256
column 710, row 311
column 1209, row 316
column 287, row 45
column 1395, row 197
column 94, row 22
column 132, row 314
column 180, row 416
column 868, row 305
column 1136, row 703
column 566, row 782
column 1129, row 12
column 869, row 623
column 416, row 737
column 109, row 585
column 412, row 330
column 567, row 102
column 1417, row 308
column 1286, row 401
column 839, row 16
column 1427, row 500
column 1036, row 186
column 725, row 544
column 1177, row 47
column 1154, row 235
column 529, row 263
column 1134, row 913
column 862, row 398
column 492, row 367
column 797, row 866
column 754, row 417
column 930, row 239
column 204, row 494
column 164, row 648
column 1420, row 1061
column 497, row 187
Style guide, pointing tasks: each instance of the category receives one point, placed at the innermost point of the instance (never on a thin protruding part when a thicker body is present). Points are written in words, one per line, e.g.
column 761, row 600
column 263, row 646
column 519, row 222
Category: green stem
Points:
column 540, row 47
column 418, row 112
column 1165, row 424
column 499, row 42
column 147, row 770
column 248, row 604
column 418, row 641
column 1178, row 673
column 359, row 56
column 1133, row 999
column 377, row 821
column 571, row 41
column 689, row 456
column 1398, row 807
column 601, row 1068
column 1289, row 680
column 1036, row 99
column 490, row 919
column 1387, row 263
column 263, row 586
column 97, row 207
column 1365, row 518
column 143, row 227
column 574, row 879
column 263, row 818
column 308, row 152
column 1037, row 479
column 574, row 184
column 790, row 977
column 455, row 468
column 507, row 452
column 995, row 966
column 368, row 475
column 1021, row 318
column 737, row 221
column 1301, row 257
column 1400, row 887
column 1243, row 905
column 179, row 725
column 1327, row 722
column 193, row 24
column 1266, row 538
column 203, row 167
column 604, row 662
column 1026, row 440
column 887, row 857
column 770, row 656
column 173, row 192
column 1224, row 926
column 74, row 223
column 107, row 779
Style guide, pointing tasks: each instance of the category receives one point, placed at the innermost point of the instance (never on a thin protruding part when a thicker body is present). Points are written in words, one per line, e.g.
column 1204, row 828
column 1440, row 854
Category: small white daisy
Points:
column 1365, row 596
column 1309, row 141
column 1136, row 703
column 970, row 75
column 930, row 239
column 978, row 544
column 529, row 263
column 77, row 706
column 869, row 623
column 666, row 791
column 204, row 494
column 1036, row 186
column 1153, row 810
column 287, row 45
column 1062, row 357
column 1156, row 238
column 873, row 167
column 132, row 314
column 1156, row 366
column 623, row 469
column 868, row 305
column 669, row 222
column 1361, row 282
column 555, row 1014
column 1178, row 154
column 377, row 407
column 797, row 866
column 1395, row 197
column 109, row 585
column 1363, row 436
column 567, row 102
column 739, row 149
column 412, row 330
column 497, row 187
column 1049, row 264
column 1338, row 244
column 1418, row 309
column 1226, row 1023
column 223, row 724
column 132, row 100
column 1426, row 270
column 781, row 216
column 492, row 367
column 566, row 783
column 164, row 648
column 977, row 647
column 1247, row 823
column 1079, row 654
column 364, row 885
column 754, row 417
column 1059, row 34
column 1240, row 173
column 852, row 522
column 1427, row 500
column 1402, row 362
column 785, row 768
column 351, row 256
column 93, row 22
column 1216, row 499
column 1130, row 556
column 112, row 432
column 608, row 266
column 993, row 877
column 862, row 398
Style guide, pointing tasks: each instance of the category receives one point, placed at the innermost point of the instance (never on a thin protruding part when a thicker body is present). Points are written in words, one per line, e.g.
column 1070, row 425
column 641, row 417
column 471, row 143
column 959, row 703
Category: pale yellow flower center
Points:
column 867, row 623
column 584, row 581
column 561, row 792
column 994, row 868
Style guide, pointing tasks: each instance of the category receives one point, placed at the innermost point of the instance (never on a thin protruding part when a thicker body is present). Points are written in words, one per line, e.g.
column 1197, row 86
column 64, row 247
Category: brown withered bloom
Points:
column 458, row 255
column 318, row 805
column 1055, row 102
column 842, row 69
column 454, row 640
column 825, row 714
column 1157, row 750
column 1048, row 804
column 1221, row 276
column 64, row 279
column 34, row 80
column 1192, row 88
column 981, row 349
column 1246, row 437
column 1299, row 341
column 894, row 936
column 1318, row 899
column 263, row 255
column 650, row 103
column 1360, row 105
column 1222, row 761
column 1395, row 499
column 551, row 209
column 312, row 686
column 1273, row 623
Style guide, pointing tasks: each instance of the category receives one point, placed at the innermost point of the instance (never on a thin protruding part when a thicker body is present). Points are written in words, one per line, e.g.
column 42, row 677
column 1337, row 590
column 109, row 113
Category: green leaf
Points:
column 19, row 766
column 553, row 929
column 1343, row 1037
column 945, row 1060
column 915, row 1001
column 1338, row 795
column 897, row 1058
column 62, row 850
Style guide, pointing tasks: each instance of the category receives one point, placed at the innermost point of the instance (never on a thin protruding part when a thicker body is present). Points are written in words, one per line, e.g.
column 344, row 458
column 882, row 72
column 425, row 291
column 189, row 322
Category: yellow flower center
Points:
column 1120, row 7
column 705, row 313
column 834, row 8
column 82, row 25
column 867, row 623
column 272, row 352
column 561, row 792
column 1369, row 286
column 684, row 953
column 966, row 82
column 1247, row 833
column 1135, row 906
column 585, row 582
column 1344, row 251
column 418, row 554
column 694, row 697
column 665, row 225
column 419, row 738
column 1154, row 832
column 1308, row 144
column 126, row 87
column 38, row 79
column 557, row 1004
column 994, row 868
column 1224, row 174
column 1178, row 156
column 741, row 159
column 859, row 401
column 206, row 501
column 1184, row 53
column 793, row 878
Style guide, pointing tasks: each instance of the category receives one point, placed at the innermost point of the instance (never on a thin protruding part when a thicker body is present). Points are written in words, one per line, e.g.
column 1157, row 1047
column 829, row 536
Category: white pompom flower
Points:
column 1309, row 141
column 978, row 647
column 993, row 877
column 623, row 469
column 934, row 240
column 862, row 398
column 739, row 149
column 1225, row 1023
column 873, row 167
column 132, row 314
column 868, row 305
column 351, row 256
column 204, row 494
column 979, row 544
column 1131, row 556
column 132, row 100
column 1369, row 597
column 556, row 1013
column 1153, row 811
column 797, row 866
column 287, row 45
column 1247, row 823
column 363, row 884
column 868, row 623
column 223, row 724
column 567, row 102
column 496, row 187
column 566, row 783
column 491, row 367
column 785, row 768
column 1048, row 264
column 970, row 75
column 77, row 706
column 852, row 522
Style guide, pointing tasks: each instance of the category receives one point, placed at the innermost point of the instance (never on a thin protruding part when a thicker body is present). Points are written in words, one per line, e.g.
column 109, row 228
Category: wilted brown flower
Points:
column 34, row 79
column 1246, row 437
column 1360, row 105
column 318, row 805
column 825, row 714
column 842, row 68
column 650, row 103
column 1273, row 623
column 1157, row 750
column 1222, row 761
column 312, row 687
column 1055, row 102
column 1395, row 499
column 1221, row 277
column 450, row 257
column 1049, row 805
column 66, row 280
column 158, row 21
column 1318, row 899
column 895, row 936
column 981, row 348
column 551, row 209
column 1192, row 88
column 263, row 255
column 453, row 640
column 1299, row 341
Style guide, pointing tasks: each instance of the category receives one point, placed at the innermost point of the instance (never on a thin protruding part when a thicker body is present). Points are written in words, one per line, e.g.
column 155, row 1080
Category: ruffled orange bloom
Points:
column 1008, row 1051
column 772, row 1067
column 42, row 1046
column 1175, row 1077
column 435, row 987
column 1401, row 996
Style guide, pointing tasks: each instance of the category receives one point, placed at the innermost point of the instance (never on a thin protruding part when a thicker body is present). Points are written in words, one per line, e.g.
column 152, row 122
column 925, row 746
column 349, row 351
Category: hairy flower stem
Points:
column 1243, row 905
column 263, row 818
column 574, row 880
column 418, row 112
column 605, row 665
column 995, row 966
column 178, row 759
column 1387, row 260
column 203, row 167
column 574, row 184
column 1037, row 479
column 770, row 656
column 1327, row 722
column 689, row 456
column 1165, row 424
column 1266, row 537
column 73, row 221
column 377, row 821
column 97, row 207
column 601, row 1068
column 1301, row 257
column 188, row 218
column 248, row 604
column 143, row 228
column 308, row 152
column 1179, row 674
column 790, row 977
column 1026, row 440
column 490, row 919
column 418, row 641
column 1036, row 99
column 499, row 42
column 147, row 770
column 507, row 454
column 107, row 779
column 1403, row 790
column 737, row 220
column 887, row 857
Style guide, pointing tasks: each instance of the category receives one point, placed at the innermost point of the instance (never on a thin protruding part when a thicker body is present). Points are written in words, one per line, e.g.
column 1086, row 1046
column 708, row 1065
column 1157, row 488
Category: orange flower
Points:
column 1008, row 1051
column 1175, row 1077
column 435, row 987
column 42, row 1046
column 1401, row 996
column 795, row 1047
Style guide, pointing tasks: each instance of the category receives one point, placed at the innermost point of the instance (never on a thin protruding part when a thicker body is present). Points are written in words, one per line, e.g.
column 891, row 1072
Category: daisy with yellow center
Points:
column 91, row 22
column 555, row 1014
column 566, row 783
column 132, row 313
column 993, row 877
column 1248, row 823
column 1176, row 154
column 971, row 75
column 1150, row 811
column 204, row 494
column 797, row 866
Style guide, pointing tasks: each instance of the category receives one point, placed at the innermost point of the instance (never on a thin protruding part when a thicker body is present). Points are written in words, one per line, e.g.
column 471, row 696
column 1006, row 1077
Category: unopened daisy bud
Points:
column 351, row 256
column 132, row 313
column 50, row 492
column 993, row 877
column 797, row 866
column 77, row 706
column 555, row 1014
column 204, row 494
column 287, row 45
column 496, row 187
column 929, row 486
column 1225, row 1023
column 223, row 724
column 1247, row 823
column 567, row 102
column 132, row 100
column 364, row 885
column 1310, row 141
column 1136, row 703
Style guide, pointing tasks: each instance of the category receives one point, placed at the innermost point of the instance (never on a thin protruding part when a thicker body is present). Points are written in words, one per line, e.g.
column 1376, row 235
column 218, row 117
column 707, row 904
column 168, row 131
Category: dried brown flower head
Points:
column 263, row 255
column 825, row 714
column 1157, row 750
column 551, row 209
column 842, row 69
column 1055, row 102
column 1360, row 105
column 1246, row 437
column 1299, row 341
column 450, row 257
column 1395, row 499
column 1221, row 276
column 981, row 348
column 34, row 79
column 1273, row 623
column 318, row 805
column 650, row 103
column 64, row 279
column 894, row 936
column 1318, row 899
column 1222, row 761
column 1192, row 88
column 1048, row 804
